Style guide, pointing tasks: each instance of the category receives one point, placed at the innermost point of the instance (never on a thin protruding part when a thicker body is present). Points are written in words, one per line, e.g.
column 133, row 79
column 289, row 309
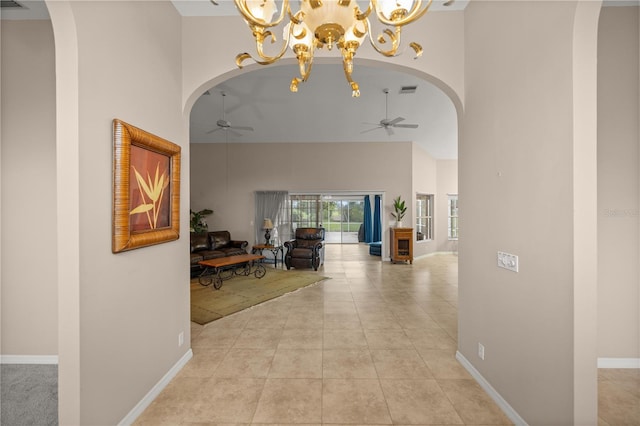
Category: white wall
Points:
column 132, row 305
column 29, row 258
column 516, row 186
column 618, row 187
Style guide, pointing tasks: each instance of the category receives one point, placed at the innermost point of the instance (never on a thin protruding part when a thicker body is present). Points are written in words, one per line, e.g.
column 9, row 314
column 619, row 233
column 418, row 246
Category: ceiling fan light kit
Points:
column 328, row 23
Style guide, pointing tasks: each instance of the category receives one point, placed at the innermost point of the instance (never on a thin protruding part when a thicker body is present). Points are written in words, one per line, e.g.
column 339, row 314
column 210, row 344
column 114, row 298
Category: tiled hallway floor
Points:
column 375, row 344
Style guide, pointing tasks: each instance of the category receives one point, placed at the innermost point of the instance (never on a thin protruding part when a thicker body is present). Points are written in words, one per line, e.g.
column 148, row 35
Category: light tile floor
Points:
column 618, row 397
column 375, row 344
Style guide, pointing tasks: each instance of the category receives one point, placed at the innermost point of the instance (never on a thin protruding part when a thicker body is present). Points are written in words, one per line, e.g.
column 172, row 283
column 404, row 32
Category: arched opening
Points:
column 324, row 115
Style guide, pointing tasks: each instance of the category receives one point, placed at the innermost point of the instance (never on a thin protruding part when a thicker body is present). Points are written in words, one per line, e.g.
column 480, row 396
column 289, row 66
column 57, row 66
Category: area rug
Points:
column 242, row 292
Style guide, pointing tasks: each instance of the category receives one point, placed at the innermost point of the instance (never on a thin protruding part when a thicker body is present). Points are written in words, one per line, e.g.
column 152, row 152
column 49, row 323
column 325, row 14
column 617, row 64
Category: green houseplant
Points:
column 400, row 209
column 198, row 223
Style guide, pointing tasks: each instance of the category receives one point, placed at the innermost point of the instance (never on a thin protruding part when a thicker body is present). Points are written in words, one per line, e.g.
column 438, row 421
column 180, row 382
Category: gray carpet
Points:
column 29, row 395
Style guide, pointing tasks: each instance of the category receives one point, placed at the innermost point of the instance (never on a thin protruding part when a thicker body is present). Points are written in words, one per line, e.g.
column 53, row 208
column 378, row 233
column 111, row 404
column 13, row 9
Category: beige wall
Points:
column 424, row 176
column 29, row 285
column 132, row 305
column 515, row 157
column 219, row 183
column 447, row 174
column 224, row 177
column 618, row 188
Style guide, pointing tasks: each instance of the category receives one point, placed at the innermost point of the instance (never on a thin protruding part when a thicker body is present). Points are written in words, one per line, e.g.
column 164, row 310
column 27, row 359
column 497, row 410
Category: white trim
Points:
column 29, row 359
column 497, row 398
column 155, row 391
column 618, row 362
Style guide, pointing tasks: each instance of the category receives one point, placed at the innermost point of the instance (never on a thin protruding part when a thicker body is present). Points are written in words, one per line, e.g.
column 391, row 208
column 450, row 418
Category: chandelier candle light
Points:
column 329, row 23
column 267, row 225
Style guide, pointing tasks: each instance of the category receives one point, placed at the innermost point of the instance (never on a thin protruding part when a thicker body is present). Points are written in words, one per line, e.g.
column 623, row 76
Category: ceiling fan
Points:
column 387, row 124
column 224, row 124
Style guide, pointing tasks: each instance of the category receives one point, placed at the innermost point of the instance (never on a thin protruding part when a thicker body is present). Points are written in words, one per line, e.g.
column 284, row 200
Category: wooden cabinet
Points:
column 402, row 245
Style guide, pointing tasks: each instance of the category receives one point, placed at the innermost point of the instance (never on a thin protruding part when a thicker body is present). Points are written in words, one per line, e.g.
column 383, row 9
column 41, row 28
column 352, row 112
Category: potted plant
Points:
column 400, row 209
column 198, row 224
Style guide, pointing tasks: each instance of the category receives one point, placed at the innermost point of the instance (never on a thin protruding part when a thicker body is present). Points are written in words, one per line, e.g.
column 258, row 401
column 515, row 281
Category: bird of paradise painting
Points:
column 149, row 206
column 146, row 188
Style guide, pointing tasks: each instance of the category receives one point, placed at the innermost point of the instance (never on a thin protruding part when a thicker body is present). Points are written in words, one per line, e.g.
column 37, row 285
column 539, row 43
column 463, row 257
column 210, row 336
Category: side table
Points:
column 258, row 248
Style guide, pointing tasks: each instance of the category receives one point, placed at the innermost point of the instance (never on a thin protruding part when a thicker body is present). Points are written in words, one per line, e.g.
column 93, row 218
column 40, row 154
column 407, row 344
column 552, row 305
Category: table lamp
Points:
column 267, row 225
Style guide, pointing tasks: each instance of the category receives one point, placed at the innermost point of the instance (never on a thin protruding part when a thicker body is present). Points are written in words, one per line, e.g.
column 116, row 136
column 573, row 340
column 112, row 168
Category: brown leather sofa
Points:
column 212, row 245
column 306, row 250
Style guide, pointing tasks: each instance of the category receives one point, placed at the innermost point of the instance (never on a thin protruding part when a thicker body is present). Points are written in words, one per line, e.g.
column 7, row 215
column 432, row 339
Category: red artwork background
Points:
column 146, row 163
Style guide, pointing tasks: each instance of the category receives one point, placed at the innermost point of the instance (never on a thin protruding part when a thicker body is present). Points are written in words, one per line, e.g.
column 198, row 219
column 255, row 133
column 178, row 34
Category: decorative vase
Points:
column 398, row 224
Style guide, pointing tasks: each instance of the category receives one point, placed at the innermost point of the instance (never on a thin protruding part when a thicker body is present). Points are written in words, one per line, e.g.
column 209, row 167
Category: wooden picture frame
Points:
column 146, row 189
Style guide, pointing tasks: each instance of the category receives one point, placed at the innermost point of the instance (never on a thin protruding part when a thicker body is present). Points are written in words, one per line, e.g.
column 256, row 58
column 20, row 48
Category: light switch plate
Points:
column 508, row 261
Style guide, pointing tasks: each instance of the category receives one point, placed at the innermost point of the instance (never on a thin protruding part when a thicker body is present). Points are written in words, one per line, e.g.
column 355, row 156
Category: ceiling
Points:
column 323, row 109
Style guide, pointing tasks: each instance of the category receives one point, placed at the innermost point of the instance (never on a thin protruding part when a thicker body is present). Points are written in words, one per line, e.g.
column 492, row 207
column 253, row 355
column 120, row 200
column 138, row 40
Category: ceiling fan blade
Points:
column 389, row 131
column 395, row 120
column 407, row 126
column 233, row 132
column 214, row 130
column 242, row 128
column 371, row 130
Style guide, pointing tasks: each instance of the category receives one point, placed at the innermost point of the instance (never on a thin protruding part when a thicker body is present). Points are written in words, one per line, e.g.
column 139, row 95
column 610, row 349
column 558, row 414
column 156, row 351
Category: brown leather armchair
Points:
column 306, row 250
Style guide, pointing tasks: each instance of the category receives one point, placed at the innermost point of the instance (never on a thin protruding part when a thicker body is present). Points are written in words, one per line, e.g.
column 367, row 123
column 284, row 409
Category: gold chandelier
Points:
column 328, row 23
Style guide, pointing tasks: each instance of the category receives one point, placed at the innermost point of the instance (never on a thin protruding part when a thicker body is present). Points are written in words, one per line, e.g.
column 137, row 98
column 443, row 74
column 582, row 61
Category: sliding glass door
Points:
column 342, row 218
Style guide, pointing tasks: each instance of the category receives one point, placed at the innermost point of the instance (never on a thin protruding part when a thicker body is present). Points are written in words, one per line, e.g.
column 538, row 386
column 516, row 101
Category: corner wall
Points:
column 29, row 291
column 517, row 190
column 618, row 186
column 132, row 305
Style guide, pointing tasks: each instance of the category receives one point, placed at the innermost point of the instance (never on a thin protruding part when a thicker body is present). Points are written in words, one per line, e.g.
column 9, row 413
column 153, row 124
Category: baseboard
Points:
column 29, row 359
column 497, row 398
column 155, row 391
column 618, row 362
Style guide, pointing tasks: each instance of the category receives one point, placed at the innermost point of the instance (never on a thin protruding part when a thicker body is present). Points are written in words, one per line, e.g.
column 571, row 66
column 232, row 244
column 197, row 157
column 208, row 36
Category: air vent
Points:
column 405, row 90
column 10, row 4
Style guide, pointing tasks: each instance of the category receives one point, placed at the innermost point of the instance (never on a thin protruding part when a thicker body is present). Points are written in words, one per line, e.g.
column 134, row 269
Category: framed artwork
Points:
column 146, row 189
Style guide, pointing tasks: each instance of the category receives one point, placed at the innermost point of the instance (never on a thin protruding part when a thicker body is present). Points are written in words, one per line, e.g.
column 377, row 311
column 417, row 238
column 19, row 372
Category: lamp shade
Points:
column 267, row 224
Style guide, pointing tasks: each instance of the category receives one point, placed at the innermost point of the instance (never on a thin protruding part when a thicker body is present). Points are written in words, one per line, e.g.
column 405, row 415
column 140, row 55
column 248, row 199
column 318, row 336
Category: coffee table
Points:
column 223, row 268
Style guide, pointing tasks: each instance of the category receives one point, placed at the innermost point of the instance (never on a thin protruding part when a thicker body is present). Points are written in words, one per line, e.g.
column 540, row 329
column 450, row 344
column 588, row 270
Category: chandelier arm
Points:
column 393, row 38
column 360, row 16
column 297, row 18
column 260, row 36
column 241, row 5
column 414, row 14
column 305, row 63
column 355, row 89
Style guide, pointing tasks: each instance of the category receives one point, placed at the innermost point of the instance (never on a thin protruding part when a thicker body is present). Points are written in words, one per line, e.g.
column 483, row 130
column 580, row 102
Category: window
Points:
column 424, row 217
column 453, row 217
column 306, row 211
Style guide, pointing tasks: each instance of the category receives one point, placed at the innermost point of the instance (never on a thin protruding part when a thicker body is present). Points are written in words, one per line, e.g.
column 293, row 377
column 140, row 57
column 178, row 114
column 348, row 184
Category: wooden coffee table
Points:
column 224, row 268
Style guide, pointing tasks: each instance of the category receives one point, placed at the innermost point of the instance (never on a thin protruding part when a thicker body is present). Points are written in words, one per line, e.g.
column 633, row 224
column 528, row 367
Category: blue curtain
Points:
column 377, row 220
column 368, row 231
